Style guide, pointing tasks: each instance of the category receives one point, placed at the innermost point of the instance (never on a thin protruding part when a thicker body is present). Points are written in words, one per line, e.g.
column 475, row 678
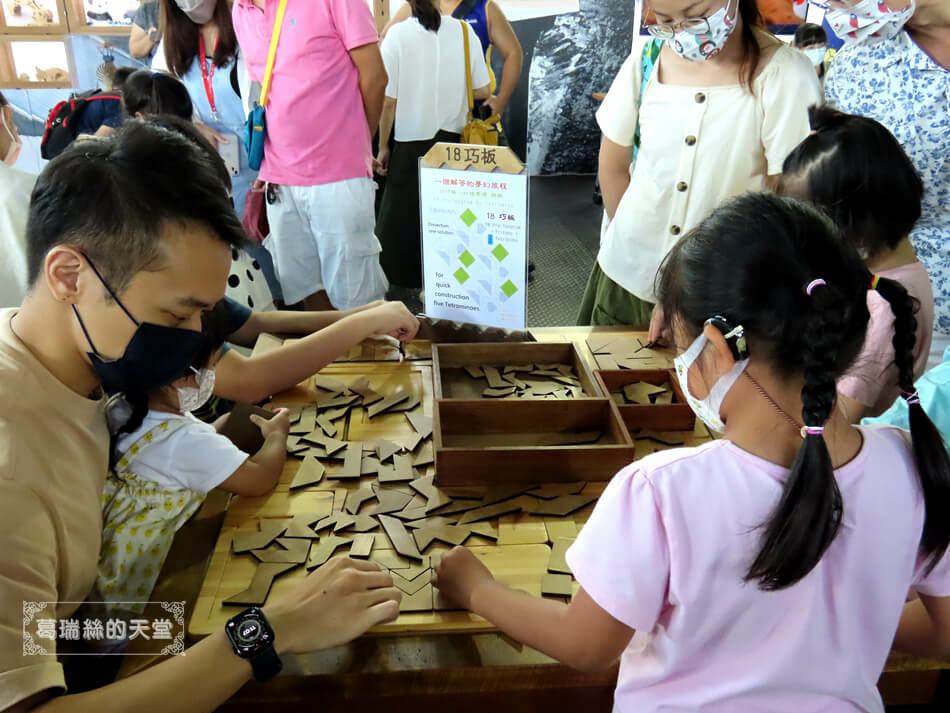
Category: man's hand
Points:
column 334, row 605
column 496, row 104
column 459, row 573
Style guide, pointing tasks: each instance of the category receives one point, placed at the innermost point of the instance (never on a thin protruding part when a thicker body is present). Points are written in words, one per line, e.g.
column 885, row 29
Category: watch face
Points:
column 249, row 632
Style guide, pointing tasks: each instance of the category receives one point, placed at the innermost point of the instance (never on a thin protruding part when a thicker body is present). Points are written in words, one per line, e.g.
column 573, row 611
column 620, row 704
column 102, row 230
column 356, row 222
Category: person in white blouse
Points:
column 427, row 101
column 723, row 106
column 15, row 189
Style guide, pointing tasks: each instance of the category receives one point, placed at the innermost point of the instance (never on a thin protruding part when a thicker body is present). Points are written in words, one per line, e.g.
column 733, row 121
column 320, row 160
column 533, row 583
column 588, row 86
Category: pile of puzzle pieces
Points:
column 614, row 352
column 528, row 381
column 411, row 516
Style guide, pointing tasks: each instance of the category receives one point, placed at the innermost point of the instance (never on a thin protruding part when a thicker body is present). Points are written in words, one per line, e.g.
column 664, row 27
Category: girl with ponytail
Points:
column 767, row 569
column 856, row 171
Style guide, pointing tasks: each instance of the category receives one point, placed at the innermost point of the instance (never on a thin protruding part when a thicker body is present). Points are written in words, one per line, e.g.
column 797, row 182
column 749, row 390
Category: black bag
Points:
column 61, row 124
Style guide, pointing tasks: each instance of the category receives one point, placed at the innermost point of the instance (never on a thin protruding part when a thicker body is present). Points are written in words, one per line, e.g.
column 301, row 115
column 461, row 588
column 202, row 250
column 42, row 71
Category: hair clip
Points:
column 874, row 280
column 812, row 431
column 912, row 398
column 813, row 284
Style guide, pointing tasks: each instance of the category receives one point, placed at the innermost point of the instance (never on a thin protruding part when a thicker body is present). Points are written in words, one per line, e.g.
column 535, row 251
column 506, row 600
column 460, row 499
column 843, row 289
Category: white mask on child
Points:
column 870, row 20
column 191, row 398
column 706, row 409
column 816, row 55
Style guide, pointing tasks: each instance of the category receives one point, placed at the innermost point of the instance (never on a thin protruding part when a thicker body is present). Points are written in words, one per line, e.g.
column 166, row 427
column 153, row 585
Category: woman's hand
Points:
column 459, row 573
column 381, row 162
column 392, row 318
column 213, row 137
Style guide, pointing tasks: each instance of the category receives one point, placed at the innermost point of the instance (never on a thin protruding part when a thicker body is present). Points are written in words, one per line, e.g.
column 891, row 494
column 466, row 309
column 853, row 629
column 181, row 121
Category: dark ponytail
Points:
column 154, row 93
column 751, row 261
column 807, row 517
column 427, row 13
column 930, row 453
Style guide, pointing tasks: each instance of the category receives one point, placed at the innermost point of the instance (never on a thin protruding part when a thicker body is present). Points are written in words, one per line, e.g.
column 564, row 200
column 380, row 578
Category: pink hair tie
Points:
column 911, row 398
column 812, row 431
column 813, row 284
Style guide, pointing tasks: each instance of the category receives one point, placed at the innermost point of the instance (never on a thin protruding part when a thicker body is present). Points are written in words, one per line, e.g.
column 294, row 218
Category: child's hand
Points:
column 219, row 422
column 394, row 319
column 280, row 423
column 459, row 574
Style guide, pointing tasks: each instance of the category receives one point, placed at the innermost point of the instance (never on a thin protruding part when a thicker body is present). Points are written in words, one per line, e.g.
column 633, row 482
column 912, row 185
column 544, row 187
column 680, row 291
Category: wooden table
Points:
column 405, row 672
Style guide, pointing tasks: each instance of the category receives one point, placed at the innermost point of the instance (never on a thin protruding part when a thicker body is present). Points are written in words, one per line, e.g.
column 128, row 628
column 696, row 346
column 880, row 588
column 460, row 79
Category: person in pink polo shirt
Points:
column 325, row 100
column 767, row 570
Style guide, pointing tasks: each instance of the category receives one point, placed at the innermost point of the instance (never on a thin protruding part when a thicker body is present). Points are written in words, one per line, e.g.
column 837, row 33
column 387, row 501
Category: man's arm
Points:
column 373, row 79
column 254, row 379
column 504, row 39
column 332, row 606
column 386, row 121
column 290, row 322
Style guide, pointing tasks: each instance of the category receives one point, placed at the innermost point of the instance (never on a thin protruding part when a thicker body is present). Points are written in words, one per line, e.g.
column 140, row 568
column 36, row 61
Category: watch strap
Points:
column 265, row 663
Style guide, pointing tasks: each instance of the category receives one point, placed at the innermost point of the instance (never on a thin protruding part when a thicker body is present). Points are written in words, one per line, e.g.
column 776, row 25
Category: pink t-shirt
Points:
column 316, row 125
column 666, row 550
column 872, row 380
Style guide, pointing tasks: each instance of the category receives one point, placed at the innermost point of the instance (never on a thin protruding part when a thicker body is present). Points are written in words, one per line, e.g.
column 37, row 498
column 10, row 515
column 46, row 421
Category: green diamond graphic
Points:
column 500, row 253
column 466, row 259
column 509, row 287
column 468, row 217
column 460, row 275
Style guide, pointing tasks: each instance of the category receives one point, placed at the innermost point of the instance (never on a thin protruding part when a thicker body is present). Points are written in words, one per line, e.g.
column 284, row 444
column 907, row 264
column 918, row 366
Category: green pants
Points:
column 606, row 303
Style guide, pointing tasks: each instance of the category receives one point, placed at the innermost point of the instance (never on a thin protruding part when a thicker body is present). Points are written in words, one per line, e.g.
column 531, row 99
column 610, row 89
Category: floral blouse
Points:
column 898, row 84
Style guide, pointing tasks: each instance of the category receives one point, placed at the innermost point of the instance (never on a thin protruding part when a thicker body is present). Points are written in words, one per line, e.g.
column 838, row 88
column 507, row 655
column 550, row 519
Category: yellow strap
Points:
column 272, row 52
column 468, row 70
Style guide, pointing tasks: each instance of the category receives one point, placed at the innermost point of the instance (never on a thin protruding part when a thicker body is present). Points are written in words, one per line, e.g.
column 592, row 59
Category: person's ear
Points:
column 718, row 351
column 61, row 270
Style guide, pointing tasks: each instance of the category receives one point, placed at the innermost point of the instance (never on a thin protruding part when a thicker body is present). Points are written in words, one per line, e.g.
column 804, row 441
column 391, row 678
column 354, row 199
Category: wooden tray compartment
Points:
column 677, row 416
column 453, row 382
column 483, row 442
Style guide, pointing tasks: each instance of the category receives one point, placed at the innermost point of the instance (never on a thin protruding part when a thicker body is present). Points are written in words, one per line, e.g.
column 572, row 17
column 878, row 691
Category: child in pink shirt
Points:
column 856, row 171
column 767, row 570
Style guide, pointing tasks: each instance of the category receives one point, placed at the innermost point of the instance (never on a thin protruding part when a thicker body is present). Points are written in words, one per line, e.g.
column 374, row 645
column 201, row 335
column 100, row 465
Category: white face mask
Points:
column 870, row 20
column 706, row 409
column 816, row 55
column 16, row 143
column 198, row 11
column 697, row 48
column 191, row 398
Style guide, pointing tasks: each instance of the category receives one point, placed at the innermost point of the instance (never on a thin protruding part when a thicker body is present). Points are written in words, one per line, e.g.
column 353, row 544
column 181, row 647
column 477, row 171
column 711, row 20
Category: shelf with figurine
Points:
column 32, row 17
column 102, row 17
column 34, row 62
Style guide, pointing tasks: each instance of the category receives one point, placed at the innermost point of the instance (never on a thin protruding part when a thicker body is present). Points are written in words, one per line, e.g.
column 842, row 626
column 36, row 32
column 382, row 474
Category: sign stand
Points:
column 473, row 202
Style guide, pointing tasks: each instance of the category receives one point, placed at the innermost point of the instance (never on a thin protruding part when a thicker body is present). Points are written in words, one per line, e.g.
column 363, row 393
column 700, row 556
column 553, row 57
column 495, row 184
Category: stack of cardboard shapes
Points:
column 256, row 593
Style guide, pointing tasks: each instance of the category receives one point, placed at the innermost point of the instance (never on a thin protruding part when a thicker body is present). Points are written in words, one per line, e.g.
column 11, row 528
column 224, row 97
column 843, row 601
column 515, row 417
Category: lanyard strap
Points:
column 468, row 69
column 272, row 52
column 207, row 74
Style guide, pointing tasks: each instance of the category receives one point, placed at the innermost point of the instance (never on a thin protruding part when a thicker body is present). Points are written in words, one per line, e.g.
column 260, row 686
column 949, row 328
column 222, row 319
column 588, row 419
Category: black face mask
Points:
column 155, row 357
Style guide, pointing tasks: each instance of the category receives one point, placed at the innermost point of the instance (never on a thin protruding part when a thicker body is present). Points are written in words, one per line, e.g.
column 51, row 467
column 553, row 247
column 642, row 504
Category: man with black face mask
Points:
column 128, row 241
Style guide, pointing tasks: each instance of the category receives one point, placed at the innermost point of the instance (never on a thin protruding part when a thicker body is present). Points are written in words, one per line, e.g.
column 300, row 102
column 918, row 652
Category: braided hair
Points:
column 750, row 261
column 933, row 463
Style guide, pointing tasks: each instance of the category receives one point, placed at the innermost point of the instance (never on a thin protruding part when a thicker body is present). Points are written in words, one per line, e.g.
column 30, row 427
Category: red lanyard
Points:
column 207, row 76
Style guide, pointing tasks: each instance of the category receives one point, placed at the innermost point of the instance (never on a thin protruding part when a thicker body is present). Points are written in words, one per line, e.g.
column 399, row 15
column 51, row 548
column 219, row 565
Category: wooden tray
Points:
column 453, row 382
column 482, row 442
column 677, row 416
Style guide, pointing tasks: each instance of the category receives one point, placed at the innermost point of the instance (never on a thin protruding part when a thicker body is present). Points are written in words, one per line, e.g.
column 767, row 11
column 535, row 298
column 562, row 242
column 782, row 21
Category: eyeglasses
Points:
column 692, row 25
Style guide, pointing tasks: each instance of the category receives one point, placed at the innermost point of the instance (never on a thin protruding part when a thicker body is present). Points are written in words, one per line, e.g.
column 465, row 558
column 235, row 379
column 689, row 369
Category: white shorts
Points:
column 322, row 238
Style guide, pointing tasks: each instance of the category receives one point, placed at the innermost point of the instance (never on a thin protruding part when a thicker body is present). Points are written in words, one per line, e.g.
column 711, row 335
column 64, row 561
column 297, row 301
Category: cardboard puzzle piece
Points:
column 369, row 396
column 400, row 538
column 410, row 585
column 284, row 550
column 323, row 550
column 641, row 392
column 269, row 531
column 241, row 431
column 352, row 462
column 557, row 585
column 564, row 505
column 300, row 526
column 390, row 501
column 310, row 472
column 549, row 491
column 496, row 510
column 449, row 534
column 397, row 397
column 356, row 498
column 257, row 591
column 385, row 449
column 421, row 424
column 362, row 546
column 328, row 383
column 557, row 562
